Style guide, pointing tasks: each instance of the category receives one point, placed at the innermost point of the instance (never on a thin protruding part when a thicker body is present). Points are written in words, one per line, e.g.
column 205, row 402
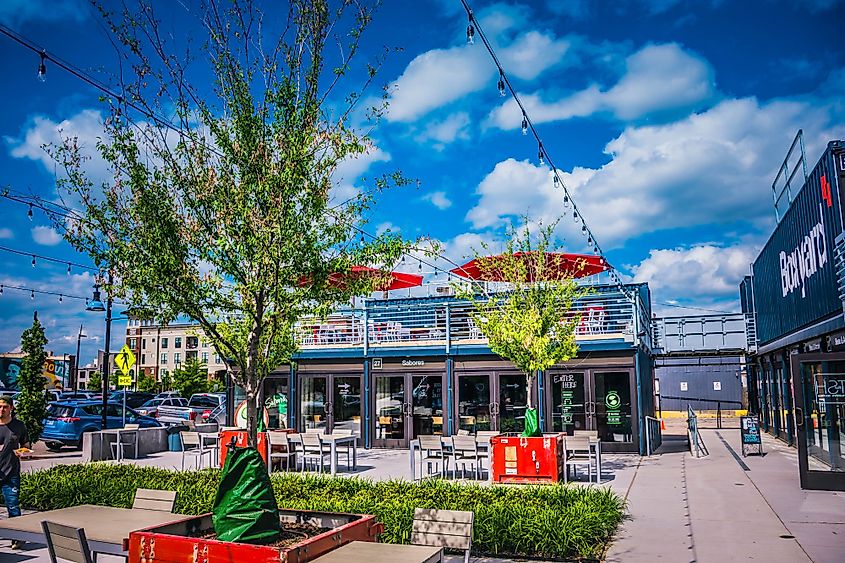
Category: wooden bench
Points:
column 451, row 529
column 150, row 499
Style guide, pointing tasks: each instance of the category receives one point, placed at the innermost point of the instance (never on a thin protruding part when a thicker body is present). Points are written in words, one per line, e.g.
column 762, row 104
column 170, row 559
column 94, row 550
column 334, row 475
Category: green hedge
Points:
column 554, row 521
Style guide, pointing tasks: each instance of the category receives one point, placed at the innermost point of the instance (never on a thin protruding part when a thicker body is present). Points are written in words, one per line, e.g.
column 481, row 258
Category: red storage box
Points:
column 176, row 542
column 241, row 442
column 527, row 460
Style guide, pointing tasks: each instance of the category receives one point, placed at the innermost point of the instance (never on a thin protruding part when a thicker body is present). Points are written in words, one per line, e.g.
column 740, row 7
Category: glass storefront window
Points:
column 513, row 400
column 568, row 403
column 276, row 401
column 824, row 412
column 613, row 406
column 390, row 400
column 313, row 403
column 427, row 405
column 346, row 404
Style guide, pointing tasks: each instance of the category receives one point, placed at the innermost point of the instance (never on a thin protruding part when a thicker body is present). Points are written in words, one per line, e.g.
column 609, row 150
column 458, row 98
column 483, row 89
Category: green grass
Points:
column 553, row 521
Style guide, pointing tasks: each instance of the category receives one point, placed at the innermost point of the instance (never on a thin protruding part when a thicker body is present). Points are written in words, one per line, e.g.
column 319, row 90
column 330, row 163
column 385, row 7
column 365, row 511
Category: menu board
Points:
column 749, row 427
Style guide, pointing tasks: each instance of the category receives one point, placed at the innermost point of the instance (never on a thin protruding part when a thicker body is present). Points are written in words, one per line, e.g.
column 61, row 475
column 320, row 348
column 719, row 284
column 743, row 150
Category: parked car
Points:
column 168, row 395
column 76, row 396
column 201, row 407
column 150, row 408
column 69, row 420
column 134, row 399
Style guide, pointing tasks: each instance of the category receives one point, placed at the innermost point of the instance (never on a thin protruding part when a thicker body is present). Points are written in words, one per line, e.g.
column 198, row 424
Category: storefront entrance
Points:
column 595, row 399
column 819, row 414
column 405, row 406
column 330, row 402
column 491, row 401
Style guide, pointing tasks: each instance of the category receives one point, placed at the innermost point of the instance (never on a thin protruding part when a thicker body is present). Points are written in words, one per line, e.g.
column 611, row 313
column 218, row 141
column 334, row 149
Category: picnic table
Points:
column 106, row 527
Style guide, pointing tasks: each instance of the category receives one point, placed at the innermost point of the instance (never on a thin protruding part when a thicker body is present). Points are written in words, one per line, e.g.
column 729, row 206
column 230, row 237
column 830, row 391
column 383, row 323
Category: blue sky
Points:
column 667, row 118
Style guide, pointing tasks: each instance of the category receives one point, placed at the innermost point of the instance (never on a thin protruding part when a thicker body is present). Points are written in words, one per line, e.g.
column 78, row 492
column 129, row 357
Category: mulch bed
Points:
column 292, row 533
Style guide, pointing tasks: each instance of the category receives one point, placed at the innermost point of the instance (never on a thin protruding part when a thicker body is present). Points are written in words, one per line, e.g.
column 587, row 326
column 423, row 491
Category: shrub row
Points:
column 552, row 521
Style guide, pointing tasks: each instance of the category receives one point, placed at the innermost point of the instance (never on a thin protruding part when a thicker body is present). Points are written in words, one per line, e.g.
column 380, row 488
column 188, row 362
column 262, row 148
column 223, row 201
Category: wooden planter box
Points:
column 515, row 459
column 173, row 542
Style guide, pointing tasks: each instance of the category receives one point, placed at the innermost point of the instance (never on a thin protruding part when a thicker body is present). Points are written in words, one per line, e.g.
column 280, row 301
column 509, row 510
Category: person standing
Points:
column 13, row 436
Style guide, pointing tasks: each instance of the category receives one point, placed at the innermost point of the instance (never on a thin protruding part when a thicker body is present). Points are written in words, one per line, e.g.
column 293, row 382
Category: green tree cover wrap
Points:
column 532, row 424
column 245, row 509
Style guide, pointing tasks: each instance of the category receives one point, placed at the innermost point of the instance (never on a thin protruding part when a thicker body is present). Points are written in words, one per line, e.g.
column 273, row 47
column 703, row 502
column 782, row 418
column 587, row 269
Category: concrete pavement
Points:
column 681, row 509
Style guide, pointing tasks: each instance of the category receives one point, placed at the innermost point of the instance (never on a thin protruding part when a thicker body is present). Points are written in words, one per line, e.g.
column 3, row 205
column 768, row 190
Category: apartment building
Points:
column 159, row 349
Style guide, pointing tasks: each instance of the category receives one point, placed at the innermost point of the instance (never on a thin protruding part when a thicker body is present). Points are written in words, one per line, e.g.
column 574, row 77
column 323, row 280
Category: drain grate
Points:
column 786, row 537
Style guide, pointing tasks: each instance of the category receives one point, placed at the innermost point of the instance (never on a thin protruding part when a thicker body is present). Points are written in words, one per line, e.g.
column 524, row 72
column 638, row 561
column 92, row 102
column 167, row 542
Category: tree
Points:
column 147, row 383
column 224, row 213
column 95, row 382
column 191, row 378
column 532, row 324
column 166, row 381
column 31, row 407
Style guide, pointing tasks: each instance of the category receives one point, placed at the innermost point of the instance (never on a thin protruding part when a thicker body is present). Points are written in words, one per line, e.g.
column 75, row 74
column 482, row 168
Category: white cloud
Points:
column 46, row 236
column 86, row 126
column 532, row 53
column 348, row 173
column 385, row 227
column 438, row 200
column 659, row 80
column 6, row 233
column 436, row 78
column 708, row 168
column 445, row 131
column 705, row 270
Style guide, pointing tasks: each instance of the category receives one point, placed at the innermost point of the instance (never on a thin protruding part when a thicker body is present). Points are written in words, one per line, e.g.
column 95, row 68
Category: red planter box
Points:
column 515, row 459
column 171, row 543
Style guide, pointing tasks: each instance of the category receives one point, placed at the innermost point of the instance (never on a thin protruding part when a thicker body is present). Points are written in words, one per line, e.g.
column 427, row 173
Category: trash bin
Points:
column 174, row 440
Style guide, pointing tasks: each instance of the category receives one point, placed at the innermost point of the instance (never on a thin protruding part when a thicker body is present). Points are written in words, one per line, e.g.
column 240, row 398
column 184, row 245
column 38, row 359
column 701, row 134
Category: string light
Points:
column 29, row 212
column 419, row 267
column 524, row 124
column 68, row 268
column 32, row 295
column 403, row 260
column 557, row 182
column 42, row 68
column 540, row 155
column 501, row 84
column 33, row 260
column 60, row 298
column 470, row 31
column 1, row 290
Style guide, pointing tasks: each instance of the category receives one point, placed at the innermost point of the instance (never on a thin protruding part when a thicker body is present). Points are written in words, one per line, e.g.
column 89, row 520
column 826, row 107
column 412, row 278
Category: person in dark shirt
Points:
column 13, row 436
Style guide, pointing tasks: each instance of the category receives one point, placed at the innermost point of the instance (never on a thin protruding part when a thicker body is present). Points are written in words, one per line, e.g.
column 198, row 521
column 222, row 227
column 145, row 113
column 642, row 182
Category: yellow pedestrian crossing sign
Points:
column 124, row 360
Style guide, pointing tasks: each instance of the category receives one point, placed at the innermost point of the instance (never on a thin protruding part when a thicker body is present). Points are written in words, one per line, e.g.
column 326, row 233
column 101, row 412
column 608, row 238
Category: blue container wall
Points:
column 699, row 374
column 794, row 276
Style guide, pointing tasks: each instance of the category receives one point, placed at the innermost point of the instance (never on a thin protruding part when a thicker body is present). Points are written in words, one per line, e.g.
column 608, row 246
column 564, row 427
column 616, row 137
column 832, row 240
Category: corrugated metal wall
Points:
column 815, row 297
column 699, row 374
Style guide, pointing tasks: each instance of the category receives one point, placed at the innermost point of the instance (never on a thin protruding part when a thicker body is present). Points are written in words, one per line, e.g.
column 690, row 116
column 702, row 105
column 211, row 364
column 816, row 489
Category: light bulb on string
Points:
column 60, row 298
column 42, row 68
column 556, row 179
column 566, row 201
column 540, row 156
column 584, row 229
column 501, row 84
column 575, row 215
column 1, row 290
column 33, row 260
column 403, row 260
column 362, row 239
column 68, row 268
column 470, row 31
column 29, row 212
column 524, row 124
column 590, row 240
column 32, row 295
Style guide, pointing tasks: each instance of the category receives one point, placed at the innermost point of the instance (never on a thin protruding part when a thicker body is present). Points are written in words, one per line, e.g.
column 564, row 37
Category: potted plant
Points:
column 532, row 324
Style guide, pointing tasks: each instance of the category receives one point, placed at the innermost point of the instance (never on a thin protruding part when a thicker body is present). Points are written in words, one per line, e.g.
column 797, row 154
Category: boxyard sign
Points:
column 794, row 281
column 749, row 427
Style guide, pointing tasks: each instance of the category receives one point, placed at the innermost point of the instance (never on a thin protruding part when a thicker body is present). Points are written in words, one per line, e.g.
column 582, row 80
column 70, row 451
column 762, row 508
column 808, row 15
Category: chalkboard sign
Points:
column 750, row 428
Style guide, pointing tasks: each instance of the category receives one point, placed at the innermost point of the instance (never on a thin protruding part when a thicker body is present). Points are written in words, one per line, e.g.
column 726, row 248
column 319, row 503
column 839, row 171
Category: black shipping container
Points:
column 794, row 281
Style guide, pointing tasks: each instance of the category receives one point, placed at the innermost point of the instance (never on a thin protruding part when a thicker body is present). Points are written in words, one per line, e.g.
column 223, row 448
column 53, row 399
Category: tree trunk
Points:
column 529, row 382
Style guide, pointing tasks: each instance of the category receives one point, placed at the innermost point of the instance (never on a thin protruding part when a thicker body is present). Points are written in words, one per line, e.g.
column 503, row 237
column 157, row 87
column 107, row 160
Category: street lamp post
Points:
column 97, row 305
column 79, row 337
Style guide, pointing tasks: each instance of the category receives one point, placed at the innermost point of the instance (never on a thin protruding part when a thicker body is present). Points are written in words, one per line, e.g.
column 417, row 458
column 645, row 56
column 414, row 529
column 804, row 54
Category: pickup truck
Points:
column 202, row 408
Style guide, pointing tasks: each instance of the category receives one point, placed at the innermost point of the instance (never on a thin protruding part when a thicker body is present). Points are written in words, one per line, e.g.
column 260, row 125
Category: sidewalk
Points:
column 713, row 509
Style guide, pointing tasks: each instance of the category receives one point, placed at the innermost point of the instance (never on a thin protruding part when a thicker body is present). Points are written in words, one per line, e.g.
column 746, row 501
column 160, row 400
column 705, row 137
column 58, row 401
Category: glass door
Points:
column 346, row 404
column 611, row 406
column 819, row 413
column 426, row 404
column 391, row 410
column 313, row 407
column 475, row 404
column 510, row 403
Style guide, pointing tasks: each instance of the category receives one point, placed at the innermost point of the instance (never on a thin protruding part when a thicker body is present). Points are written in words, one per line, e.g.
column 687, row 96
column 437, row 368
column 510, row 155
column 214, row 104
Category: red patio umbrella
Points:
column 392, row 280
column 557, row 265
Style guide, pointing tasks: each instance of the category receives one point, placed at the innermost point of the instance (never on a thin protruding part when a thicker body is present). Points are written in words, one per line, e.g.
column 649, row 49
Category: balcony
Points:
column 444, row 324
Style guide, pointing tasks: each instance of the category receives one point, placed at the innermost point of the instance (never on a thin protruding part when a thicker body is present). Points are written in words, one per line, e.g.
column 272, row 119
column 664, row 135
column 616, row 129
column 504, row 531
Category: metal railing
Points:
column 696, row 442
column 702, row 332
column 653, row 435
column 719, row 403
column 447, row 321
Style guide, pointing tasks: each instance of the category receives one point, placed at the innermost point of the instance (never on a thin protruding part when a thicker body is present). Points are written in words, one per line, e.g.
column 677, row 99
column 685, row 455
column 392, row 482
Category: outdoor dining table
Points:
column 106, row 527
column 335, row 440
column 372, row 552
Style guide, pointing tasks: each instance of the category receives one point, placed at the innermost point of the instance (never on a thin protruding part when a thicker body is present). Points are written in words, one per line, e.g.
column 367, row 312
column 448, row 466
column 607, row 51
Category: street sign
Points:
column 124, row 380
column 124, row 360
